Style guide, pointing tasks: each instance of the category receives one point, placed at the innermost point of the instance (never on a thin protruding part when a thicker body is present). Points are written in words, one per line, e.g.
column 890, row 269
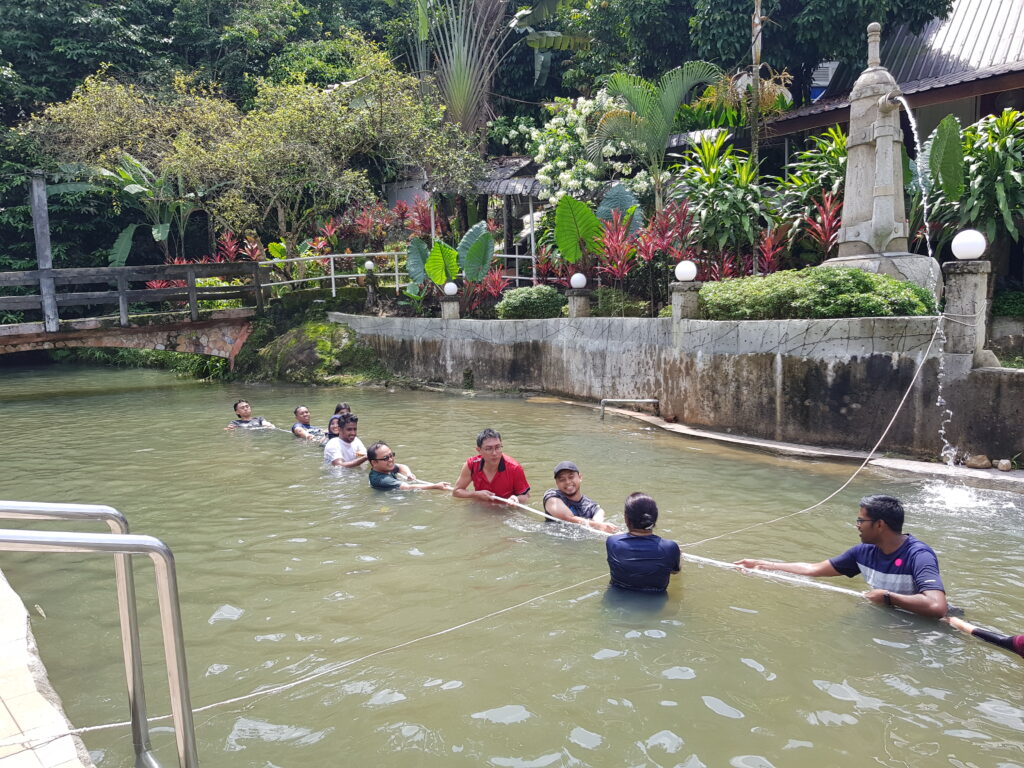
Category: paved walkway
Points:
column 29, row 707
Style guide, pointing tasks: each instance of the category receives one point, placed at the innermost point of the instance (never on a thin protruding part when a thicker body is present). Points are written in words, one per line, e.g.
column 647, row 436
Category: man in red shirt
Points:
column 495, row 476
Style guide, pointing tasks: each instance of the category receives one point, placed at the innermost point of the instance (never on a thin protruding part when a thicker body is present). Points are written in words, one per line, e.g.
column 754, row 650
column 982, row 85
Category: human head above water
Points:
column 888, row 509
column 334, row 425
column 641, row 512
column 241, row 402
column 342, row 408
column 487, row 434
column 377, row 450
column 302, row 413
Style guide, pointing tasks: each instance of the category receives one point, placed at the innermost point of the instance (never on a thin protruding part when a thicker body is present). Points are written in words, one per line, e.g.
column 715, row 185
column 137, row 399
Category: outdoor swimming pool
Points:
column 286, row 570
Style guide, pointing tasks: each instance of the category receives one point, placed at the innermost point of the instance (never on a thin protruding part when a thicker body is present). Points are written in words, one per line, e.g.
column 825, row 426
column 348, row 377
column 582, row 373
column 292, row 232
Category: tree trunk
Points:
column 461, row 216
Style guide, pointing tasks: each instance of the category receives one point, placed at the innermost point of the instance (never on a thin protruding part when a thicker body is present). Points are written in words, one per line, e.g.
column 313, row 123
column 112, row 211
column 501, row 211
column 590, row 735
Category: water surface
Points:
column 287, row 571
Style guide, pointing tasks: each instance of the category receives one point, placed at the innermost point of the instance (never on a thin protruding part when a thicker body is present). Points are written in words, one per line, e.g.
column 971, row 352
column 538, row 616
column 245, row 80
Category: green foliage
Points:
column 182, row 363
column 994, row 154
column 946, row 158
column 821, row 167
column 1008, row 304
column 665, row 311
column 726, row 201
column 442, row 264
column 537, row 301
column 799, row 36
column 475, row 251
column 649, row 115
column 577, row 229
column 619, row 198
column 814, row 292
column 611, row 302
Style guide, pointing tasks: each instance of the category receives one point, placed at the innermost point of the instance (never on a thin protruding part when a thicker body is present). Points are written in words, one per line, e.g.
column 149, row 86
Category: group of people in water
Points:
column 901, row 571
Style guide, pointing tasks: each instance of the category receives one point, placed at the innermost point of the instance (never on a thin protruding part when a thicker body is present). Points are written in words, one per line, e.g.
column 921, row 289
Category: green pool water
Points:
column 288, row 570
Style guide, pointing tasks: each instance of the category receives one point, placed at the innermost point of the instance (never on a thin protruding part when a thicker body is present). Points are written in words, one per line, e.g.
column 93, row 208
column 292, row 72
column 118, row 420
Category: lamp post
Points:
column 966, row 294
column 450, row 301
column 578, row 295
column 685, row 304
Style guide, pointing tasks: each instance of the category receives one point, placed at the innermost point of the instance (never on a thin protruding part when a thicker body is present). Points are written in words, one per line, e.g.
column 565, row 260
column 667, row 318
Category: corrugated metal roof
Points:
column 980, row 39
column 522, row 186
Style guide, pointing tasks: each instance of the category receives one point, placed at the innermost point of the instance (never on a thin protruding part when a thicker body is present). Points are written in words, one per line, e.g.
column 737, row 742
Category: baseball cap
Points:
column 563, row 465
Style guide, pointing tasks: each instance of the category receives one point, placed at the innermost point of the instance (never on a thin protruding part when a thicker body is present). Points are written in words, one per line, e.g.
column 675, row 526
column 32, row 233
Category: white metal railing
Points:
column 392, row 270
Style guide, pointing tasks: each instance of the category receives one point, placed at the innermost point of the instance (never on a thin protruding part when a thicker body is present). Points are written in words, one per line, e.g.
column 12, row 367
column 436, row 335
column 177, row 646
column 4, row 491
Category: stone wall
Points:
column 821, row 382
column 1006, row 336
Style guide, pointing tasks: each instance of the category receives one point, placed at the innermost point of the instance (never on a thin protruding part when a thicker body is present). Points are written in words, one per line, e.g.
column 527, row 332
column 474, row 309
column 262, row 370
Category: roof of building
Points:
column 501, row 177
column 980, row 39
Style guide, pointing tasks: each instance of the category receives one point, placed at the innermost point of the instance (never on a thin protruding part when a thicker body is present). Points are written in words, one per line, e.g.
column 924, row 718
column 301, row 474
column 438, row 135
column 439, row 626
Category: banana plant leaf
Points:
column 122, row 246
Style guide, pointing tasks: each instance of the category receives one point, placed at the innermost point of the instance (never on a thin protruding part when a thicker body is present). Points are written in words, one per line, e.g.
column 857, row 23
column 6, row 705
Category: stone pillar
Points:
column 449, row 307
column 685, row 305
column 967, row 309
column 579, row 302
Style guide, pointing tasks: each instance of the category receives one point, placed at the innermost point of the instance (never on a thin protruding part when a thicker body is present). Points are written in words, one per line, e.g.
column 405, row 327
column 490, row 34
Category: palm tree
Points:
column 648, row 117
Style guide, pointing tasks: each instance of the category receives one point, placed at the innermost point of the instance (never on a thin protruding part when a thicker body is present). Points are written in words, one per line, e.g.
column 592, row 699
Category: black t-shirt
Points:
column 583, row 508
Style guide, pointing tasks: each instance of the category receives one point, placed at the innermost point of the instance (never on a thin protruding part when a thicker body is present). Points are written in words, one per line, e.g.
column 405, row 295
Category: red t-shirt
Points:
column 509, row 480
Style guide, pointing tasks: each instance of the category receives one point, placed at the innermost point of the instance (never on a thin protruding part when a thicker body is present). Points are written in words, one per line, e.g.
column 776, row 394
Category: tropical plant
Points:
column 822, row 229
column 814, row 292
column 725, row 200
column 821, row 167
column 577, row 232
column 440, row 263
column 994, row 155
column 648, row 117
column 617, row 247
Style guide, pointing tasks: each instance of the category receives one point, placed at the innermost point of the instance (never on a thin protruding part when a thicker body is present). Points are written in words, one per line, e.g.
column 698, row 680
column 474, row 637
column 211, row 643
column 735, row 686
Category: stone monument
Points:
column 874, row 233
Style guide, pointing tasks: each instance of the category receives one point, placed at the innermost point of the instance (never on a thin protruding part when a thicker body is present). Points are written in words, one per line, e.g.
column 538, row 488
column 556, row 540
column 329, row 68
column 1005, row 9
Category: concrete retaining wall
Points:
column 821, row 382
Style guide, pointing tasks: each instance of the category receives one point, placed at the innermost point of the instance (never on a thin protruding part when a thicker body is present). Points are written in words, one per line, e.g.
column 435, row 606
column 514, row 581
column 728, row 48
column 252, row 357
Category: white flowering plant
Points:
column 512, row 135
column 561, row 152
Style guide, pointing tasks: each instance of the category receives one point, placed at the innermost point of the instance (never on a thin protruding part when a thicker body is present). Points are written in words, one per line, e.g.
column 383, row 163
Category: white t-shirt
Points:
column 337, row 448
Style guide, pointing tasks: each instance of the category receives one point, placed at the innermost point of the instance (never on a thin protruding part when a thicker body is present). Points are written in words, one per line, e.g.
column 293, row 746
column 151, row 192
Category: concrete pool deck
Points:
column 991, row 479
column 29, row 707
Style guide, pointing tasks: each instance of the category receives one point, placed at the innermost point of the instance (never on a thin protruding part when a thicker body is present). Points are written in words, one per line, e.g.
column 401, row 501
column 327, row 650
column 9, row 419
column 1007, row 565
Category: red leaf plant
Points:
column 490, row 288
column 419, row 219
column 228, row 247
column 770, row 246
column 618, row 248
column 668, row 233
column 253, row 249
column 401, row 213
column 823, row 230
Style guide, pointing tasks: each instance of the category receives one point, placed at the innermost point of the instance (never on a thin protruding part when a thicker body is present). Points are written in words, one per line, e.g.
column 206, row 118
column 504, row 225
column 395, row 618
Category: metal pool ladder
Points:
column 122, row 545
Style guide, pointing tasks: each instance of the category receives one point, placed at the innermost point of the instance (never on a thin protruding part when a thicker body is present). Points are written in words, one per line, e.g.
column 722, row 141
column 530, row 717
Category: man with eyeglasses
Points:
column 386, row 475
column 902, row 571
column 495, row 476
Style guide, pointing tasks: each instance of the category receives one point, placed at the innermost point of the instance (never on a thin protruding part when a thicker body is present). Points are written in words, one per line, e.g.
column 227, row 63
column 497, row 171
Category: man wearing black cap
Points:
column 567, row 502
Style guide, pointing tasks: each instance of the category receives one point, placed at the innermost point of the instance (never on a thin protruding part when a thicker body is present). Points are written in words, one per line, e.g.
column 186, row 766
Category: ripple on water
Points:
column 510, row 713
column 666, row 740
column 719, row 707
column 226, row 613
column 584, row 738
column 679, row 673
column 246, row 729
column 607, row 653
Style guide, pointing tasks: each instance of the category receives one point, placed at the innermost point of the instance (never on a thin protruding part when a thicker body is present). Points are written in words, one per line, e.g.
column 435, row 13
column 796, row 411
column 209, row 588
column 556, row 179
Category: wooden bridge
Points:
column 194, row 329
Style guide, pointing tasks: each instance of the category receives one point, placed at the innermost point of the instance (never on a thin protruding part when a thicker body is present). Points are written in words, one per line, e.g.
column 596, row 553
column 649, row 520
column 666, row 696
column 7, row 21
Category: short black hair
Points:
column 238, row 403
column 371, row 452
column 641, row 511
column 487, row 434
column 885, row 508
column 342, row 407
column 348, row 417
column 297, row 407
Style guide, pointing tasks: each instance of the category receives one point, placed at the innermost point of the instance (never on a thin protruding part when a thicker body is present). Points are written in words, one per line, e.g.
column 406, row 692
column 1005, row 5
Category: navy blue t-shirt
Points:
column 641, row 563
column 911, row 569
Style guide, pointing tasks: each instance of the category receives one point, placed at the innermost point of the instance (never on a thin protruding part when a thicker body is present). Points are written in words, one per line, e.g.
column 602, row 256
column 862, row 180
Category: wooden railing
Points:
column 50, row 299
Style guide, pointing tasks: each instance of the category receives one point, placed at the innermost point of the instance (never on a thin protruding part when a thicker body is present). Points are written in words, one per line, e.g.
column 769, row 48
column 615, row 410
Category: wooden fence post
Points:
column 122, row 298
column 193, row 301
column 257, row 284
column 44, row 256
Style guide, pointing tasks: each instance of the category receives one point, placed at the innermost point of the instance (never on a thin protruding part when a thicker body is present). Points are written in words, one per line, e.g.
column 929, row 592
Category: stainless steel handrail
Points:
column 126, row 605
column 167, row 595
column 627, row 400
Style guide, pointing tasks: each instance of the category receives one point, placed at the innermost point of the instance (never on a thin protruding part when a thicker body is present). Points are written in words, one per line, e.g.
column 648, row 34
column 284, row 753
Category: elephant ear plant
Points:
column 440, row 263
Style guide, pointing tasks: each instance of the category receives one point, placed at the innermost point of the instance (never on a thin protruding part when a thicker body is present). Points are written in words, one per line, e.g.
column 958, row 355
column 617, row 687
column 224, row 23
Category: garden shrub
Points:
column 814, row 292
column 537, row 301
column 350, row 298
column 1008, row 304
column 665, row 311
column 611, row 302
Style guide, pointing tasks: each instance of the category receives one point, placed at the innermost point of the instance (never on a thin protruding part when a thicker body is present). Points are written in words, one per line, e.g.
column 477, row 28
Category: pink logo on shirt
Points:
column 899, row 561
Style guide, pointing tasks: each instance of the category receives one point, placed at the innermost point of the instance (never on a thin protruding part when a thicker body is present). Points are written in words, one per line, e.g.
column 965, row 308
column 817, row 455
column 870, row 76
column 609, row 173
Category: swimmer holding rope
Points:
column 902, row 571
column 344, row 448
column 302, row 428
column 567, row 502
column 245, row 418
column 1014, row 643
column 639, row 560
column 495, row 476
column 386, row 475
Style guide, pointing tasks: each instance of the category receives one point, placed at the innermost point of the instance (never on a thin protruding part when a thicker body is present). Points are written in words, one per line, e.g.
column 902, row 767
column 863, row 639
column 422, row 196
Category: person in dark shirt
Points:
column 245, row 418
column 1014, row 643
column 639, row 560
column 302, row 428
column 567, row 502
column 386, row 475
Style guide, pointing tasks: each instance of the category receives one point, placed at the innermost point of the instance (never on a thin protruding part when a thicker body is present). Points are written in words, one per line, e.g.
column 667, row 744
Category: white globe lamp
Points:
column 686, row 271
column 369, row 265
column 578, row 280
column 450, row 288
column 969, row 244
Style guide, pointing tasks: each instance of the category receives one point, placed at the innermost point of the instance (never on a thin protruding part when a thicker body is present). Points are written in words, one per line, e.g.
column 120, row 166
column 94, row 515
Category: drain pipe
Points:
column 657, row 410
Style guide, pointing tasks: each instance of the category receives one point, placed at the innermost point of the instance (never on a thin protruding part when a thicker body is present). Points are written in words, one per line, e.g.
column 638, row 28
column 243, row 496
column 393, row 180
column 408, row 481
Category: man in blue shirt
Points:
column 901, row 571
